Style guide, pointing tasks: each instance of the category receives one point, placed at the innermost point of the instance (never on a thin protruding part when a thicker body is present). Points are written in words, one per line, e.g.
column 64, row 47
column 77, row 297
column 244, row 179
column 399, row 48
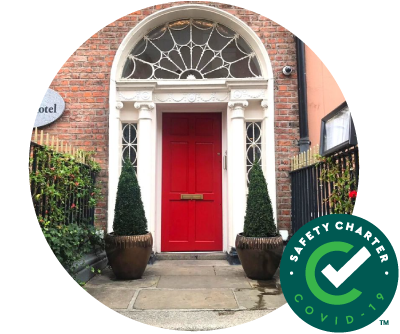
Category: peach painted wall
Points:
column 323, row 94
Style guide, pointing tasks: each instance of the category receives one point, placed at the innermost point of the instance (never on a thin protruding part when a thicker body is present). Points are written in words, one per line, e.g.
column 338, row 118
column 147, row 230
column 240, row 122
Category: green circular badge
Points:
column 339, row 273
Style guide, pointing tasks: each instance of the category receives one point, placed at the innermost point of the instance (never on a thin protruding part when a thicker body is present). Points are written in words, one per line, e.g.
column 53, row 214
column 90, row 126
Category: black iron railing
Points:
column 310, row 194
column 75, row 205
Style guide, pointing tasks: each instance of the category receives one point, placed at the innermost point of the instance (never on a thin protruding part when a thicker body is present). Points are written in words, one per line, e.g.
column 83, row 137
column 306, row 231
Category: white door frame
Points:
column 145, row 100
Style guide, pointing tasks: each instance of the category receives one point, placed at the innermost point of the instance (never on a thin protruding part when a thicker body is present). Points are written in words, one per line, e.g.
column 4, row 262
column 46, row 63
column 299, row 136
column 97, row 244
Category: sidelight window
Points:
column 253, row 145
column 129, row 143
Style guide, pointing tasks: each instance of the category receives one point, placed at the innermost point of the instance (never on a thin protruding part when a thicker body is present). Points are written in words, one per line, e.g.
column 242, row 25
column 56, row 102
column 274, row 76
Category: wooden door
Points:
column 191, row 165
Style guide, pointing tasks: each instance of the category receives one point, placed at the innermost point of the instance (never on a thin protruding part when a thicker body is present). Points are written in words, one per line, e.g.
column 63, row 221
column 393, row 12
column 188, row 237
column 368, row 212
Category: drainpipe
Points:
column 304, row 141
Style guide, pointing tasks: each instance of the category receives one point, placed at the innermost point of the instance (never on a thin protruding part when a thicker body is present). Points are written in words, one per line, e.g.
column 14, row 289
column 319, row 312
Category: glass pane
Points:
column 162, row 74
column 225, row 31
column 139, row 48
column 215, row 63
column 151, row 54
column 157, row 32
column 196, row 54
column 255, row 66
column 177, row 59
column 218, row 74
column 165, row 43
column 202, row 24
column 179, row 24
column 142, row 71
column 243, row 46
column 167, row 64
column 240, row 69
column 200, row 37
column 217, row 42
column 181, row 37
column 185, row 52
column 232, row 52
column 207, row 56
column 128, row 68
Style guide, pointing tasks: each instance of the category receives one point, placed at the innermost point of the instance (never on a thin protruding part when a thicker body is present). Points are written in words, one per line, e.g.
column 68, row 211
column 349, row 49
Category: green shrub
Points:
column 70, row 243
column 62, row 190
column 259, row 219
column 129, row 216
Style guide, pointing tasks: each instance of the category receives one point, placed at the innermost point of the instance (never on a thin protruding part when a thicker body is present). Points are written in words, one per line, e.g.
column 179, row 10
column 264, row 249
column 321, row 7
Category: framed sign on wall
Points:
column 51, row 108
column 337, row 130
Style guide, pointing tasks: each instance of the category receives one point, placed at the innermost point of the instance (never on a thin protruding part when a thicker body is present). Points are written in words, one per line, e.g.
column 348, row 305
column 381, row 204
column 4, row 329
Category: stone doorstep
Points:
column 197, row 256
column 185, row 263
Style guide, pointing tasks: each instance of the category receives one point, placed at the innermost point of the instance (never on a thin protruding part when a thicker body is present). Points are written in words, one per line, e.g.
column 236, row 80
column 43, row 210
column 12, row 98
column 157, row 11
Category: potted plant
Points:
column 260, row 246
column 129, row 247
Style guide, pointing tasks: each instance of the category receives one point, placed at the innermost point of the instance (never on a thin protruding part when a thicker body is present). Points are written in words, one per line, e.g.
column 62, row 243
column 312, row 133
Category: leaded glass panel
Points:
column 191, row 49
column 253, row 145
column 129, row 143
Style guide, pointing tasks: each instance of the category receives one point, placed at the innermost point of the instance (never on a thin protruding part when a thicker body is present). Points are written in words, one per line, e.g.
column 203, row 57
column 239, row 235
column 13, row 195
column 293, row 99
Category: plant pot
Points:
column 260, row 257
column 128, row 255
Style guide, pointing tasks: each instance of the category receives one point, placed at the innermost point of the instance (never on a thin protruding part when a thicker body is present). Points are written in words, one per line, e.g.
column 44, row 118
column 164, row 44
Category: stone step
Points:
column 191, row 256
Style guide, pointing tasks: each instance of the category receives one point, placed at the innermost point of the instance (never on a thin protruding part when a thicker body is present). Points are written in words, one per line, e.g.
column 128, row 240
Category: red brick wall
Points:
column 83, row 82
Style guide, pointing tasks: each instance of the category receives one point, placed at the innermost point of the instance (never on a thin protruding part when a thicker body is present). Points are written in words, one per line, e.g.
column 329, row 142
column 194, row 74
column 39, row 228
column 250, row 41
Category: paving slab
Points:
column 265, row 286
column 256, row 300
column 229, row 271
column 113, row 298
column 107, row 279
column 185, row 299
column 194, row 320
column 202, row 282
column 185, row 263
column 179, row 271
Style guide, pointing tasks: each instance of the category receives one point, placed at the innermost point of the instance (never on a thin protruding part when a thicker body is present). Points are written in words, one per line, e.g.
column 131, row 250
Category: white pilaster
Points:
column 145, row 158
column 236, row 168
column 114, row 159
column 268, row 145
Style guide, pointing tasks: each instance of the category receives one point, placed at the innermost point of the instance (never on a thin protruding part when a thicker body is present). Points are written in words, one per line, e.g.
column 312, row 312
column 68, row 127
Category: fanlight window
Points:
column 191, row 49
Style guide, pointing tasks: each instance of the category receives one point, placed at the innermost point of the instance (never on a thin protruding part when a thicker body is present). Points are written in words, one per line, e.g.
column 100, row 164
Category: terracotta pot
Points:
column 260, row 257
column 128, row 255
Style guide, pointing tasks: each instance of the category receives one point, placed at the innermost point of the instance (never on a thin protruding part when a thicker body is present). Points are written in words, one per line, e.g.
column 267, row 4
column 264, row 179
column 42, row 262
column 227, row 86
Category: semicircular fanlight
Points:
column 191, row 49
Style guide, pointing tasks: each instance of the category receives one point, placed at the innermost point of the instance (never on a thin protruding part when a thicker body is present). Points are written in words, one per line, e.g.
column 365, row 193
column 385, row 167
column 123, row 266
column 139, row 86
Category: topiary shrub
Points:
column 259, row 219
column 129, row 217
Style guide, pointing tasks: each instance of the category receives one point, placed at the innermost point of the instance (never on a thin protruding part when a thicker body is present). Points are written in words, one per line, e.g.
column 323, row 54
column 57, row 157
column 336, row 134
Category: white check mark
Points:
column 338, row 277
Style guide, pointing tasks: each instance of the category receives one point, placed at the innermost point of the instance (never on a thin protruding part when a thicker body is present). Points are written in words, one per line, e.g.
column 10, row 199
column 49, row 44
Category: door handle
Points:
column 192, row 196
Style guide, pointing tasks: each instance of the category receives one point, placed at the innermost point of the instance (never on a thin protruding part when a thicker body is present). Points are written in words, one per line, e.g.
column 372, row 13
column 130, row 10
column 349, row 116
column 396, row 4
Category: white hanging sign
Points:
column 50, row 109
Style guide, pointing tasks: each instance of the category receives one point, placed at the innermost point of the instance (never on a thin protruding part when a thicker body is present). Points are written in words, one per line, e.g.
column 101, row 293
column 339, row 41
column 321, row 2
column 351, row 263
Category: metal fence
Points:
column 82, row 212
column 310, row 195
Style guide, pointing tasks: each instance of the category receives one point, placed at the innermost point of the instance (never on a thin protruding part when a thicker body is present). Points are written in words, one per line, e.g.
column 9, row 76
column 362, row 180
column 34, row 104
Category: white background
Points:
column 357, row 41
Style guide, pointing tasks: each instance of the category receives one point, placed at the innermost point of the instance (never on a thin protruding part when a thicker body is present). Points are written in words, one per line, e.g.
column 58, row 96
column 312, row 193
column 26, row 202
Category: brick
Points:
column 83, row 81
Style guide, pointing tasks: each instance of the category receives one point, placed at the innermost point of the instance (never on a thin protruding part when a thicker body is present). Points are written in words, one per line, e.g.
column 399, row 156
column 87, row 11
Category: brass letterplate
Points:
column 191, row 196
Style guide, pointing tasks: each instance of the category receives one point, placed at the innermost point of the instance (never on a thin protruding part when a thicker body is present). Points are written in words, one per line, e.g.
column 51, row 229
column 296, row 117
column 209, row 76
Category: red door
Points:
column 191, row 165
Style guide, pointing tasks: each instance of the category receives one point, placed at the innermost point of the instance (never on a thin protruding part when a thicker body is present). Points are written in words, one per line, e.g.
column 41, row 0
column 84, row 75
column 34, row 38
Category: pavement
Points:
column 189, row 295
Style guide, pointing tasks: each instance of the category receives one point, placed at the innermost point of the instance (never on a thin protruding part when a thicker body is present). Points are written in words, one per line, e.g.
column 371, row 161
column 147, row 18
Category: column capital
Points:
column 237, row 108
column 144, row 105
column 119, row 105
column 145, row 109
column 238, row 104
column 264, row 105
